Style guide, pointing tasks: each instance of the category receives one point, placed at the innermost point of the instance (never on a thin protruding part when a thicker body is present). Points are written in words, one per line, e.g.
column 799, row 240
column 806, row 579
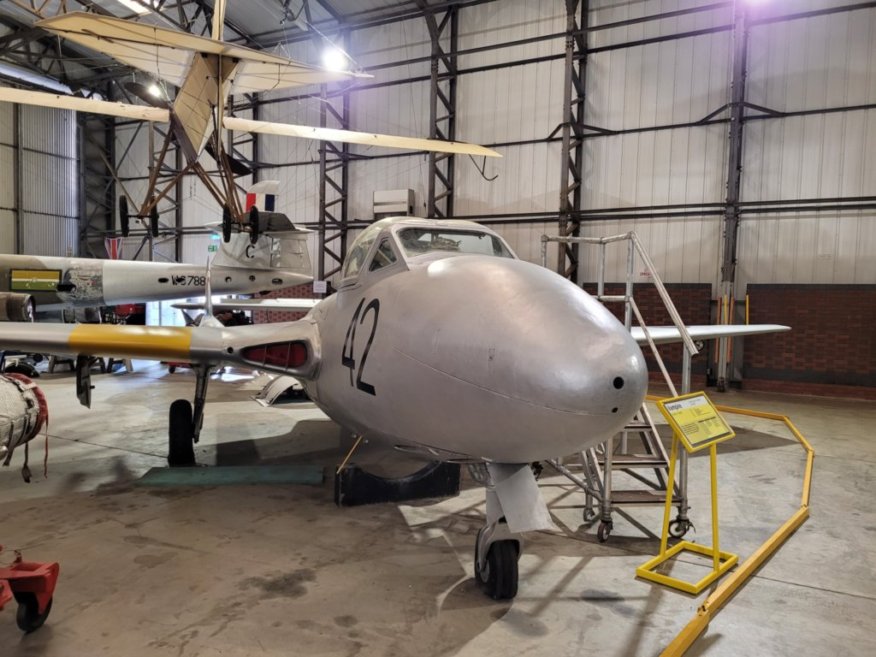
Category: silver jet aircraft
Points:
column 441, row 341
column 276, row 260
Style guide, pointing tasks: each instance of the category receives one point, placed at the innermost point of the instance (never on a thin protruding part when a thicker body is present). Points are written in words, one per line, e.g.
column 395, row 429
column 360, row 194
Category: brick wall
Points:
column 693, row 302
column 304, row 291
column 830, row 349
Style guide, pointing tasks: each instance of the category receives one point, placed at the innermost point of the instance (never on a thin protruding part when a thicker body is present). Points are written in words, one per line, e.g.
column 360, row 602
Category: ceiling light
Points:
column 334, row 59
column 155, row 90
column 136, row 7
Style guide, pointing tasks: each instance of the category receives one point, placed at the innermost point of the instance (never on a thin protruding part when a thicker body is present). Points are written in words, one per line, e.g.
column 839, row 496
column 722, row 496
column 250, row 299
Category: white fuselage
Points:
column 90, row 282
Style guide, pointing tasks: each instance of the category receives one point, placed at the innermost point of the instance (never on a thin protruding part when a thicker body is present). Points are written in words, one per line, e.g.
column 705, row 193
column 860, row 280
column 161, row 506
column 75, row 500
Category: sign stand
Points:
column 696, row 424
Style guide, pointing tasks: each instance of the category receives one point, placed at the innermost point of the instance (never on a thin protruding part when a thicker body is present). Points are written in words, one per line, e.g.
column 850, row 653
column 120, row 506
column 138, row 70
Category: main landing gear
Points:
column 186, row 421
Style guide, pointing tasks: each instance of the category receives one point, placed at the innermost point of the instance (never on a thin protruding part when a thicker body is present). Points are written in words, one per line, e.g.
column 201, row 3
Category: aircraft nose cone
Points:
column 526, row 335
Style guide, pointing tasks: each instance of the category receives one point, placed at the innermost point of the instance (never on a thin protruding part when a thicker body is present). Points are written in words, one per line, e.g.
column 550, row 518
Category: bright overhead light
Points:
column 136, row 7
column 334, row 59
column 155, row 90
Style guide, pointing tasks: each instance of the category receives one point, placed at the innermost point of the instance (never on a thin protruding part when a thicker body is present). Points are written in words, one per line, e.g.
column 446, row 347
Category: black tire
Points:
column 171, row 368
column 181, row 449
column 253, row 225
column 226, row 224
column 124, row 216
column 153, row 220
column 603, row 532
column 29, row 619
column 22, row 368
column 499, row 577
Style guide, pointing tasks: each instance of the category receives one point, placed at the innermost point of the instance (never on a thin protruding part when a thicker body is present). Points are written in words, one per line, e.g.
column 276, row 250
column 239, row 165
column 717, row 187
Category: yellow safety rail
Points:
column 715, row 602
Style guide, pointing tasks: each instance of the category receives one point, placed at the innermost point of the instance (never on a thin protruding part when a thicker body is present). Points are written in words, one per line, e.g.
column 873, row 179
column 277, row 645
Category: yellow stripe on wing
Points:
column 157, row 342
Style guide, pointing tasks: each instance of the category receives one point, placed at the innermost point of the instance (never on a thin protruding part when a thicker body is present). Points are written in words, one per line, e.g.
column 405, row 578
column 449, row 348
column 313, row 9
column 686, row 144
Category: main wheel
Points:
column 253, row 225
column 124, row 216
column 29, row 618
column 226, row 224
column 181, row 449
column 153, row 220
column 498, row 578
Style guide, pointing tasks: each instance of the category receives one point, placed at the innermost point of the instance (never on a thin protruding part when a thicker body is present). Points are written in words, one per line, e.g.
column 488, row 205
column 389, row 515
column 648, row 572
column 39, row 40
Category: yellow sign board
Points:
column 695, row 420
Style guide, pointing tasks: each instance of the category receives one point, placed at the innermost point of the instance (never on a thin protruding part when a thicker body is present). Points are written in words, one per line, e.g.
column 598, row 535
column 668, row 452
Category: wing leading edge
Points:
column 667, row 334
column 291, row 305
column 288, row 348
column 168, row 53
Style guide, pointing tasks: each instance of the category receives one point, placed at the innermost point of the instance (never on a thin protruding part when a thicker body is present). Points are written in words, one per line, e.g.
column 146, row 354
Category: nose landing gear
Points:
column 496, row 571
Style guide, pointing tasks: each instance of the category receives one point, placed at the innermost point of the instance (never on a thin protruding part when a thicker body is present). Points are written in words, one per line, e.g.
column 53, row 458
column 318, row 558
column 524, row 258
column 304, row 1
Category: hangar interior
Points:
column 734, row 138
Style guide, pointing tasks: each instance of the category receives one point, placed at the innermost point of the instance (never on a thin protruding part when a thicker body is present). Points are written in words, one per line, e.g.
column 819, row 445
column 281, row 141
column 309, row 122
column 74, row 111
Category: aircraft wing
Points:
column 353, row 137
column 293, row 305
column 61, row 101
column 667, row 334
column 287, row 348
column 161, row 115
column 168, row 53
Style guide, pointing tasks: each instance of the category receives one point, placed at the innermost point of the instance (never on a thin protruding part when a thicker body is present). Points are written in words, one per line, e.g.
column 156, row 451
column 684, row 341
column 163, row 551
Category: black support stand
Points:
column 354, row 486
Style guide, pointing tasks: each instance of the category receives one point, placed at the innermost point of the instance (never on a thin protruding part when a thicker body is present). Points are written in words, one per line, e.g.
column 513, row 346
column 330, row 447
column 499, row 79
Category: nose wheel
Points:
column 496, row 572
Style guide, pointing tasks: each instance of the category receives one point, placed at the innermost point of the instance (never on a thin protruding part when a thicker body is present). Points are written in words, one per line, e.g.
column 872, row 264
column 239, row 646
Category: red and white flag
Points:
column 113, row 246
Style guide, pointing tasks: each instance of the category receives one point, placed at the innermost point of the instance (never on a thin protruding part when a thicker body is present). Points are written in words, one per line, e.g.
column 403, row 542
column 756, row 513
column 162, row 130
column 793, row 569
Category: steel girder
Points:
column 442, row 107
column 574, row 92
column 734, row 159
column 333, row 183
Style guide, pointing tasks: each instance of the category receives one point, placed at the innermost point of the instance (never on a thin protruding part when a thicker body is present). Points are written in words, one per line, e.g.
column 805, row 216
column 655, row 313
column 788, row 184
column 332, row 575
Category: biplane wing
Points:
column 168, row 54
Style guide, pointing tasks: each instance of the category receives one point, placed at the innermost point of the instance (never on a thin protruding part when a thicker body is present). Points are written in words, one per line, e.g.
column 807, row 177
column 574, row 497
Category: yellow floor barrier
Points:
column 715, row 601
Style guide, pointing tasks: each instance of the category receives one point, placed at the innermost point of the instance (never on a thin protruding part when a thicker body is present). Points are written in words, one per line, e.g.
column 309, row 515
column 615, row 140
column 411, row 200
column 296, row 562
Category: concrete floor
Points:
column 280, row 570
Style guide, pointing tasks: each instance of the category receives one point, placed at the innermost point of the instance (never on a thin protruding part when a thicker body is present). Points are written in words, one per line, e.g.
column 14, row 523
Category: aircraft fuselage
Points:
column 58, row 282
column 512, row 361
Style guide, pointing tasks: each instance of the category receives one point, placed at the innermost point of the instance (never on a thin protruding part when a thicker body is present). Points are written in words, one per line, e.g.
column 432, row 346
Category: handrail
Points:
column 658, row 283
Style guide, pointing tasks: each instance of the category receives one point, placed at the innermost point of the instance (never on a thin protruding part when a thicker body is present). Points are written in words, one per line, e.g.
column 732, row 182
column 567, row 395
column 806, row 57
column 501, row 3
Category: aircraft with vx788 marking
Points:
column 439, row 341
column 274, row 258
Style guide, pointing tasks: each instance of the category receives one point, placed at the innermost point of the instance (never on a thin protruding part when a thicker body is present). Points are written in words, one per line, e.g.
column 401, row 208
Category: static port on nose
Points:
column 618, row 382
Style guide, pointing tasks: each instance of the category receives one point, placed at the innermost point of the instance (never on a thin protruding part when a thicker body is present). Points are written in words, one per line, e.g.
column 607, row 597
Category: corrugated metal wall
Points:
column 7, row 179
column 809, row 63
column 49, row 172
column 50, row 193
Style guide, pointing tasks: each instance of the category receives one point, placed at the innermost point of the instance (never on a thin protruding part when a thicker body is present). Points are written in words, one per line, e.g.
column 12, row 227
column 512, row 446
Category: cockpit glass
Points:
column 357, row 256
column 383, row 257
column 361, row 246
column 417, row 241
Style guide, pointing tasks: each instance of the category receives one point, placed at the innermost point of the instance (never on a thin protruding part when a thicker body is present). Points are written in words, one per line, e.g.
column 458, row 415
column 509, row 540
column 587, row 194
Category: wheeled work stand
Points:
column 594, row 469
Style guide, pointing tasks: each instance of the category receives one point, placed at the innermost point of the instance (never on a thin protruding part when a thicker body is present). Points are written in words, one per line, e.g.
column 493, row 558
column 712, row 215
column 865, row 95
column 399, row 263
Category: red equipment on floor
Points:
column 32, row 585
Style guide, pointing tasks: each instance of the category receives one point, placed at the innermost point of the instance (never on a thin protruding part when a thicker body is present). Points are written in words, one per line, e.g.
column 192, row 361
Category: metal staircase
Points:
column 637, row 451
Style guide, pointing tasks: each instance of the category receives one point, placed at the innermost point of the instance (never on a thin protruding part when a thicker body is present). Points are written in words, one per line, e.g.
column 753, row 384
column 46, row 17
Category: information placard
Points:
column 34, row 280
column 695, row 420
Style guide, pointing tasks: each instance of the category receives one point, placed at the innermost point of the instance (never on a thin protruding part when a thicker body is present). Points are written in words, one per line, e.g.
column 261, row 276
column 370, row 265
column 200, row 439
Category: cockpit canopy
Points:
column 417, row 241
column 407, row 238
